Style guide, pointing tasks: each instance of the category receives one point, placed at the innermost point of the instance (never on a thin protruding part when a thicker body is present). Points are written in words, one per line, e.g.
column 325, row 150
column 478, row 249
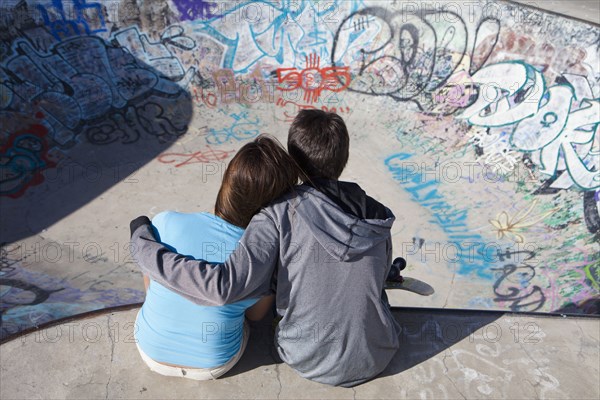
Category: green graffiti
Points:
column 592, row 273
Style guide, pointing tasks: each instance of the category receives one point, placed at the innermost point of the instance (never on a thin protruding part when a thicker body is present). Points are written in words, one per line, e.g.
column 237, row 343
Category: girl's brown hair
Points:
column 260, row 172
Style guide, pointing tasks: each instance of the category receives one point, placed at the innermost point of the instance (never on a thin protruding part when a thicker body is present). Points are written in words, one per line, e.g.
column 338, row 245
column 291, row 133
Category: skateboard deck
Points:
column 412, row 285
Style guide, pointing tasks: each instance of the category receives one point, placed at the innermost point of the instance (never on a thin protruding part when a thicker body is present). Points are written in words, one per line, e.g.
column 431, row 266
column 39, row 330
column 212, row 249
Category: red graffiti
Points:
column 209, row 99
column 201, row 156
column 23, row 157
column 292, row 108
column 314, row 79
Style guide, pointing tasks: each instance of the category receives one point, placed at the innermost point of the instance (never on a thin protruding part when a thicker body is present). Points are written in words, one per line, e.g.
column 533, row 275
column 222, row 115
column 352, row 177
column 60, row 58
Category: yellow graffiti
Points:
column 512, row 227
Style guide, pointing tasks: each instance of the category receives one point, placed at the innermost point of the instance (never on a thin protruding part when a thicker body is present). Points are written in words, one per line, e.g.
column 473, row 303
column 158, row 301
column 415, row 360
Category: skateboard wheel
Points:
column 399, row 263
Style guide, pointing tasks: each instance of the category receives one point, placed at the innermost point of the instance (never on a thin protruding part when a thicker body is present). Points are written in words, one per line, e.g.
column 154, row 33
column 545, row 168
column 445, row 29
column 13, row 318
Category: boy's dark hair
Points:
column 319, row 143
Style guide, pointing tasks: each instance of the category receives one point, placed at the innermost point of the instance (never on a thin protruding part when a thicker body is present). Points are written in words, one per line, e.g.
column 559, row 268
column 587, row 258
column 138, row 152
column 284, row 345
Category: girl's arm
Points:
column 245, row 274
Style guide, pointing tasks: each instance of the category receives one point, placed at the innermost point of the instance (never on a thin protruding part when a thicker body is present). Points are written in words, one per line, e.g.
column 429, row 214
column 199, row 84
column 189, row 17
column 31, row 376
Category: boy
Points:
column 327, row 244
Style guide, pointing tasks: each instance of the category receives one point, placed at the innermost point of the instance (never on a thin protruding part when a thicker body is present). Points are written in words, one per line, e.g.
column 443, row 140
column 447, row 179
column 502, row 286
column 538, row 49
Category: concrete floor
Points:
column 444, row 355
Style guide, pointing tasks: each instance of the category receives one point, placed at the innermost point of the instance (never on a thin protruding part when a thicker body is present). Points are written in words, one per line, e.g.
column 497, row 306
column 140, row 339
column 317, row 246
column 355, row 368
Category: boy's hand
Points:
column 136, row 223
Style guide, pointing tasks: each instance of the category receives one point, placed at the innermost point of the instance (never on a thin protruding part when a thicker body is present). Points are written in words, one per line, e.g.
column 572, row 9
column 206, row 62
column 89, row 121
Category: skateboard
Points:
column 397, row 281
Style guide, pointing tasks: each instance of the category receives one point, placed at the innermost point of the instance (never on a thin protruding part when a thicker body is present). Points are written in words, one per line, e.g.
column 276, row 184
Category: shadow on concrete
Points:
column 260, row 350
column 80, row 114
column 425, row 333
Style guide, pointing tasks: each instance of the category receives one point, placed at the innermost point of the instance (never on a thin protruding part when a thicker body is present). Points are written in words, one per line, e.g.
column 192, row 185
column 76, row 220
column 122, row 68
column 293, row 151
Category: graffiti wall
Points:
column 475, row 122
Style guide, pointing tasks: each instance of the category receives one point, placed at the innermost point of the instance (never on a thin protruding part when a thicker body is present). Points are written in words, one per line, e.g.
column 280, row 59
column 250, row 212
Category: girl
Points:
column 177, row 337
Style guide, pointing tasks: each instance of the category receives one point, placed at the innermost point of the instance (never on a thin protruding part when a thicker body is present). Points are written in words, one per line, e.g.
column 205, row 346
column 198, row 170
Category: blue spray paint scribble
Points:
column 451, row 220
column 191, row 10
column 243, row 128
column 62, row 26
column 283, row 32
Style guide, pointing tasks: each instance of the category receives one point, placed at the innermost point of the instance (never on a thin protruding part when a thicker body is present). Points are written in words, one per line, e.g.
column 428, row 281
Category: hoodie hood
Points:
column 346, row 222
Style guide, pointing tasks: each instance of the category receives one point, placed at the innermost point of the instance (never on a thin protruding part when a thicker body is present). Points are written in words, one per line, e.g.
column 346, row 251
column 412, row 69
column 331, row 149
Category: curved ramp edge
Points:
column 454, row 354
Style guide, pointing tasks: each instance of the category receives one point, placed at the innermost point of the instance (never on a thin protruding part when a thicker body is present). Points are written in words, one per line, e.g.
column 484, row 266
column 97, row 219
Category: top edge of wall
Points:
column 582, row 10
column 587, row 11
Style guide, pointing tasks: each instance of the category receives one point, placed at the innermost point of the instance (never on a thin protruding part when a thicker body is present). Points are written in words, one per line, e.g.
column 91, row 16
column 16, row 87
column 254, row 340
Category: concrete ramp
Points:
column 475, row 122
column 444, row 355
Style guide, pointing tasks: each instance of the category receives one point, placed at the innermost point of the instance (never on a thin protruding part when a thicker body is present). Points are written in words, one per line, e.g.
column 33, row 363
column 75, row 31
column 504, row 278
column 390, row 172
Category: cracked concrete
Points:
column 112, row 352
column 448, row 377
column 97, row 358
column 278, row 380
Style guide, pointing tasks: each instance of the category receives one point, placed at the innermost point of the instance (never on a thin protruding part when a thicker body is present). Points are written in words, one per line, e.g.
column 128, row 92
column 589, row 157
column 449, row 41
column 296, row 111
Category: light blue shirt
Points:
column 174, row 330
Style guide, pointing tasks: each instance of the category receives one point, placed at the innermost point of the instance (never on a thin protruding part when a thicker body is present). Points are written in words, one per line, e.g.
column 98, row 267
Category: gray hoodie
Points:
column 330, row 267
